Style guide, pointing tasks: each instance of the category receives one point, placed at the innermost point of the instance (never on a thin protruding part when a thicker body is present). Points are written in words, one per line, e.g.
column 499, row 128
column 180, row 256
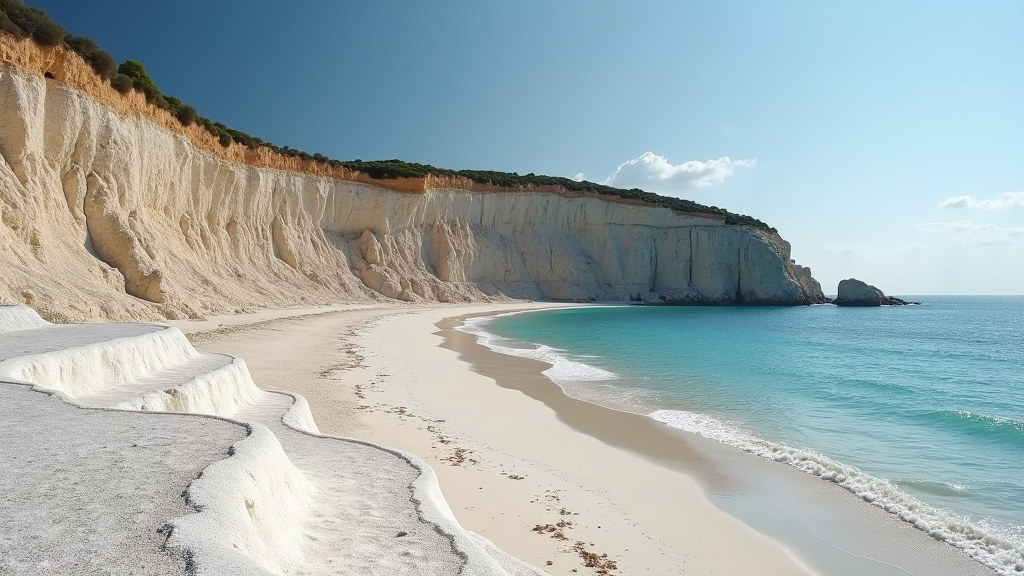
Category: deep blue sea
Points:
column 917, row 409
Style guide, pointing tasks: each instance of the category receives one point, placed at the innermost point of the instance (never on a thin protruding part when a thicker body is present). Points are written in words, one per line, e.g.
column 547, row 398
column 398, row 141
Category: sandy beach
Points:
column 505, row 462
column 553, row 480
column 221, row 355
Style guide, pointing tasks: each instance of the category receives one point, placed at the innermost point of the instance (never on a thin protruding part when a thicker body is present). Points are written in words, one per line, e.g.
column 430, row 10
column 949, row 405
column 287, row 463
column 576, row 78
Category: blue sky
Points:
column 843, row 124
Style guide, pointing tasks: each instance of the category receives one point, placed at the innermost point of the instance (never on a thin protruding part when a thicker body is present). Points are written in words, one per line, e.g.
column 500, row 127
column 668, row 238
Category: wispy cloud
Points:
column 1005, row 200
column 852, row 249
column 656, row 174
column 967, row 233
column 913, row 247
column 578, row 177
column 983, row 241
column 962, row 226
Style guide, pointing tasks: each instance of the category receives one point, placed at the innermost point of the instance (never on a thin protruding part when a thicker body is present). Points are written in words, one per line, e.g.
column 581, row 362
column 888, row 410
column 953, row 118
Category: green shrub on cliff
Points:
column 101, row 62
column 23, row 21
column 185, row 114
column 390, row 169
column 8, row 27
column 141, row 81
column 83, row 45
column 121, row 83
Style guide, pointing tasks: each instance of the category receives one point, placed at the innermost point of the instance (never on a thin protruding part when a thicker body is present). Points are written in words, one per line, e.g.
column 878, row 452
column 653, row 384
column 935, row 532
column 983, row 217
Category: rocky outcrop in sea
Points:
column 853, row 292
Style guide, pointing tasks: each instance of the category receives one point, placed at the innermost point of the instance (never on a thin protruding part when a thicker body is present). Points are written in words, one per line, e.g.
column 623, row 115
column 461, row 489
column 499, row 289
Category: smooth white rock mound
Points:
column 269, row 506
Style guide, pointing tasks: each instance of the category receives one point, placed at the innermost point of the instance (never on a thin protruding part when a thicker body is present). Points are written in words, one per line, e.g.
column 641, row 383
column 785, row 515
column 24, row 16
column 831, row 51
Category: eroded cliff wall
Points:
column 108, row 215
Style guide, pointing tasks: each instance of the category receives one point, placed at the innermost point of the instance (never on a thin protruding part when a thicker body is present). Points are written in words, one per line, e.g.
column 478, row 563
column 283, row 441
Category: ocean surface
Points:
column 916, row 409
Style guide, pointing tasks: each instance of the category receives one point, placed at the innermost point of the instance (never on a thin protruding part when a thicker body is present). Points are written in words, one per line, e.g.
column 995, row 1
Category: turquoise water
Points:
column 917, row 409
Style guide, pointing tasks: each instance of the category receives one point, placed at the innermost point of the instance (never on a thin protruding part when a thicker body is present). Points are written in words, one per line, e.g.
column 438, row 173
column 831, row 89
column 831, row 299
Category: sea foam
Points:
column 564, row 371
column 997, row 547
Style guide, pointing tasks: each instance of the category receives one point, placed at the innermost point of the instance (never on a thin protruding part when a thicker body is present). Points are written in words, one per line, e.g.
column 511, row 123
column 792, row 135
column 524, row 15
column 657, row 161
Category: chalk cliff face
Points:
column 105, row 215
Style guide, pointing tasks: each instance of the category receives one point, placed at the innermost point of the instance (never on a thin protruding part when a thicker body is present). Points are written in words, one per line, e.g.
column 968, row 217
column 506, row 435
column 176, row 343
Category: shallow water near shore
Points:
column 918, row 410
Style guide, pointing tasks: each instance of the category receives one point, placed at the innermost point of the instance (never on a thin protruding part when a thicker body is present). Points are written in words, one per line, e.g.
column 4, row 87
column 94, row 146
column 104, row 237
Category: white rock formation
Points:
column 283, row 500
column 105, row 216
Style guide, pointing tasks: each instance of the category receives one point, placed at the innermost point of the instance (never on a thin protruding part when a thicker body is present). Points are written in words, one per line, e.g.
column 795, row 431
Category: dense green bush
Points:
column 121, row 83
column 183, row 112
column 218, row 129
column 31, row 22
column 140, row 79
column 83, row 45
column 8, row 27
column 103, row 63
column 48, row 33
column 100, row 61
column 186, row 115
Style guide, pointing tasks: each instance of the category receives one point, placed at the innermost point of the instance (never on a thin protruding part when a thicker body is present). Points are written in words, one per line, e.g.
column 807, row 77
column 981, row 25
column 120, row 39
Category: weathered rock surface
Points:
column 853, row 292
column 111, row 216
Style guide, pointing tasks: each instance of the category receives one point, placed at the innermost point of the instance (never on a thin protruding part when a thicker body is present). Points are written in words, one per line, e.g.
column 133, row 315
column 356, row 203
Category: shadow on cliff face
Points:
column 116, row 240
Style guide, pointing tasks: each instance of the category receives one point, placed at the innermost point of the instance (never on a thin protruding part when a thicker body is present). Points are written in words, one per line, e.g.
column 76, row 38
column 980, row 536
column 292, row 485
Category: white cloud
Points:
column 578, row 177
column 983, row 241
column 1005, row 200
column 913, row 247
column 656, row 174
column 957, row 202
column 948, row 227
column 962, row 226
column 967, row 233
column 847, row 249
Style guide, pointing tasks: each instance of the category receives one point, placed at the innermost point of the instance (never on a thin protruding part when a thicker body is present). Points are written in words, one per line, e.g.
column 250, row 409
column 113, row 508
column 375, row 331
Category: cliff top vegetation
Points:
column 22, row 21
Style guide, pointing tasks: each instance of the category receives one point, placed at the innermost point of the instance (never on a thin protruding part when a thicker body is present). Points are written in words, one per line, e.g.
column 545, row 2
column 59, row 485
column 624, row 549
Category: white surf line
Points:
column 963, row 536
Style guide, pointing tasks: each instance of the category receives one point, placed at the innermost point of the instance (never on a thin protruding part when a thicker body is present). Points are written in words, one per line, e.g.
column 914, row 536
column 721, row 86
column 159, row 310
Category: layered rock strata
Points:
column 107, row 214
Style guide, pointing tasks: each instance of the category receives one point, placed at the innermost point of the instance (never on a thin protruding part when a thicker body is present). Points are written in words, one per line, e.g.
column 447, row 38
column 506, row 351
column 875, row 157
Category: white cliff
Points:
column 105, row 214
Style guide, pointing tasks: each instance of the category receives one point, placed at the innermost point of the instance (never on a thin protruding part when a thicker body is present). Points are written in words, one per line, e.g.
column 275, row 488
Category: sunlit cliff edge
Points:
column 110, row 208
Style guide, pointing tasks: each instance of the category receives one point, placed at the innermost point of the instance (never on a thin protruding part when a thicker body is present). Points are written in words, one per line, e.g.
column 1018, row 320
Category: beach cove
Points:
column 392, row 291
column 517, row 458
